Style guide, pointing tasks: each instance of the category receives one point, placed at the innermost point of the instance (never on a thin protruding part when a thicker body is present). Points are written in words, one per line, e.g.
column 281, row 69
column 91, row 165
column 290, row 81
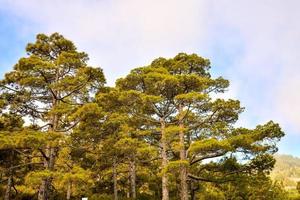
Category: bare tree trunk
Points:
column 44, row 190
column 165, row 187
column 69, row 190
column 8, row 187
column 193, row 190
column 115, row 179
column 10, row 177
column 193, row 196
column 128, row 184
column 133, row 178
column 183, row 168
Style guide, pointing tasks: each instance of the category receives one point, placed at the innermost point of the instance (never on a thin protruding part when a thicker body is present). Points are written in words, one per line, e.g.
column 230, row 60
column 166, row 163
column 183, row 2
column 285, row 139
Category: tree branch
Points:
column 218, row 154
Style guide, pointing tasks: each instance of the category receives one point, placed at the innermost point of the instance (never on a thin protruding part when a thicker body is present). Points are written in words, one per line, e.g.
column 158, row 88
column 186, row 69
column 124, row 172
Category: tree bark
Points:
column 193, row 196
column 69, row 190
column 8, row 187
column 44, row 191
column 115, row 179
column 133, row 178
column 10, row 177
column 183, row 168
column 193, row 190
column 128, row 184
column 165, row 184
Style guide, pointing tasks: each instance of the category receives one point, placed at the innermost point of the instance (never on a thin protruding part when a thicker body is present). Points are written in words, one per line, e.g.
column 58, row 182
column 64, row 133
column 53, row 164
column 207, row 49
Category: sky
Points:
column 253, row 43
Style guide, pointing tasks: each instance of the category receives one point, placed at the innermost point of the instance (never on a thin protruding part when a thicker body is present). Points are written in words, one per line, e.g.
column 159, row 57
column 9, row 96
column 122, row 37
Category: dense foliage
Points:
column 162, row 132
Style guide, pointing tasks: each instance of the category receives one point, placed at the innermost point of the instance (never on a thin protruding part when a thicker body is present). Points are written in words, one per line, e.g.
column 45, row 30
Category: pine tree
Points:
column 125, row 139
column 9, row 156
column 162, row 132
column 47, row 87
column 176, row 96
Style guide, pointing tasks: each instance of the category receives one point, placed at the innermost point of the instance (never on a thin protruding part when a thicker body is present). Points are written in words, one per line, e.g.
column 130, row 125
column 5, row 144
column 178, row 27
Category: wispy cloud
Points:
column 119, row 34
column 268, row 68
column 255, row 44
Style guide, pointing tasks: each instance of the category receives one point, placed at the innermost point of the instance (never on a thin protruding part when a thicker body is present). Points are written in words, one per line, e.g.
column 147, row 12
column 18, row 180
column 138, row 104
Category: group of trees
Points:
column 162, row 132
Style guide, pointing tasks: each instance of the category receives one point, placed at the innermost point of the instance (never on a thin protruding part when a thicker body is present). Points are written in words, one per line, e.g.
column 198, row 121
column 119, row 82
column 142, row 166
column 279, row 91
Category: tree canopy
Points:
column 162, row 132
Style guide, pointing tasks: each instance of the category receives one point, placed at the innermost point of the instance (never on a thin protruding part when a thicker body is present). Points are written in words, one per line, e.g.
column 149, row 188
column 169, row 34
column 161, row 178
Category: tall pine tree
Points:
column 47, row 86
column 178, row 96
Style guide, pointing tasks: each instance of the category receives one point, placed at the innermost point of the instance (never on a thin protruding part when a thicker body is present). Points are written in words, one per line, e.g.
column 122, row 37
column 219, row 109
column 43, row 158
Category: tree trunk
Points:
column 183, row 168
column 49, row 163
column 133, row 178
column 193, row 190
column 128, row 184
column 8, row 187
column 44, row 190
column 115, row 179
column 69, row 190
column 193, row 197
column 10, row 177
column 165, row 187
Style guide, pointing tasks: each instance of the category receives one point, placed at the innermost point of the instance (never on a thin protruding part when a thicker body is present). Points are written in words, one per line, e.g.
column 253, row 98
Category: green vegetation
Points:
column 160, row 133
column 287, row 172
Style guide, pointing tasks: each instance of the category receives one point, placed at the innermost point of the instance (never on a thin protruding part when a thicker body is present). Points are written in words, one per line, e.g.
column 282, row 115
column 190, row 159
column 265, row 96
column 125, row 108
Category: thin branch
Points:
column 79, row 87
column 218, row 154
column 69, row 128
column 6, row 87
column 44, row 155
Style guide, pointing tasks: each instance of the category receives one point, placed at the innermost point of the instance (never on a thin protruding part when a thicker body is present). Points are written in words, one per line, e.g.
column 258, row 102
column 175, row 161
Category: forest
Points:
column 162, row 132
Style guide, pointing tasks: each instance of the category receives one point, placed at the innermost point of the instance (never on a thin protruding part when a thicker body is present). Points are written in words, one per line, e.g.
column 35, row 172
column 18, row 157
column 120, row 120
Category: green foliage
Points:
column 211, row 193
column 161, row 121
column 50, row 87
column 287, row 172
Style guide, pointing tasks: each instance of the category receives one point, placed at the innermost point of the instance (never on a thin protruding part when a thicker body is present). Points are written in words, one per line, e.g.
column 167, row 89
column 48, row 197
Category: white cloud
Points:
column 268, row 70
column 262, row 37
column 119, row 35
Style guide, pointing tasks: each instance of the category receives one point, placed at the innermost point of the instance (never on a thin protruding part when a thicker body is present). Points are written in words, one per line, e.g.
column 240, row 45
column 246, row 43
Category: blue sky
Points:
column 255, row 44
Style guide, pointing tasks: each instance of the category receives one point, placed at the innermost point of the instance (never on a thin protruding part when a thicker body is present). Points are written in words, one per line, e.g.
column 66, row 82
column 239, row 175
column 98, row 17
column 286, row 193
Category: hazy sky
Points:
column 255, row 44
